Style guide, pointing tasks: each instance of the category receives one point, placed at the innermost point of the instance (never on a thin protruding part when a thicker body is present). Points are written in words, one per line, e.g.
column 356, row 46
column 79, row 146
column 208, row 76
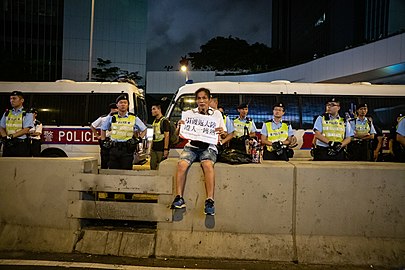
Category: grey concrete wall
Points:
column 311, row 212
column 34, row 201
column 314, row 212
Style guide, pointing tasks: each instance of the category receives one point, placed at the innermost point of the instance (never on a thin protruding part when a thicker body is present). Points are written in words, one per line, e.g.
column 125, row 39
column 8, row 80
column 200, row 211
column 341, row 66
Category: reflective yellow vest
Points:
column 239, row 127
column 274, row 135
column 123, row 128
column 157, row 135
column 14, row 123
column 360, row 128
column 333, row 129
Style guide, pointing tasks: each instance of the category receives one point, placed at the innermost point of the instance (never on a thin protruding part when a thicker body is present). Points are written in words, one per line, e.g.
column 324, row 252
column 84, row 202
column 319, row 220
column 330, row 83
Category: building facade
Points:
column 47, row 40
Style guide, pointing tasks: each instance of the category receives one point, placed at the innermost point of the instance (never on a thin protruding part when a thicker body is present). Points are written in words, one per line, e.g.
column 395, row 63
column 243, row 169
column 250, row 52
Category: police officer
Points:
column 244, row 128
column 126, row 132
column 35, row 135
column 14, row 127
column 226, row 136
column 359, row 149
column 331, row 133
column 104, row 152
column 276, row 135
column 400, row 138
column 161, row 137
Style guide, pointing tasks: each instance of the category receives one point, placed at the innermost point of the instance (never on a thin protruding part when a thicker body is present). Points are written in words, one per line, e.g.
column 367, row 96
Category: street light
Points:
column 184, row 69
column 184, row 66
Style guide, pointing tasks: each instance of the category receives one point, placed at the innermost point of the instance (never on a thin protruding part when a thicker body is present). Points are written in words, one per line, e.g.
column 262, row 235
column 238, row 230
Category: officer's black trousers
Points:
column 360, row 151
column 121, row 157
column 267, row 155
column 35, row 148
column 20, row 148
column 105, row 157
column 321, row 154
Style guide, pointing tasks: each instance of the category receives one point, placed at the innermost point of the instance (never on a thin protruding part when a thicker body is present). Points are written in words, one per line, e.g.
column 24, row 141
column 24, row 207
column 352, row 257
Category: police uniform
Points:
column 123, row 145
column 104, row 152
column 360, row 149
column 13, row 121
column 400, row 130
column 242, row 128
column 275, row 132
column 160, row 126
column 335, row 130
column 35, row 140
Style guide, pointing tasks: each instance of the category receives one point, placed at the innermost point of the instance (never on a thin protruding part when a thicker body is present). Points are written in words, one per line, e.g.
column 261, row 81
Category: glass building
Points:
column 119, row 36
column 47, row 40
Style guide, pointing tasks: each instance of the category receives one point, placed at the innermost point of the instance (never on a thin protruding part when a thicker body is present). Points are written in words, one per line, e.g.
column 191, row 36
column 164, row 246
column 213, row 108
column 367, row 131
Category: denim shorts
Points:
column 191, row 154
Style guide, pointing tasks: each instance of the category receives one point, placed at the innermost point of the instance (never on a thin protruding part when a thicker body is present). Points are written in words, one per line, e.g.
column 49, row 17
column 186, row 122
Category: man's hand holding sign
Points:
column 200, row 127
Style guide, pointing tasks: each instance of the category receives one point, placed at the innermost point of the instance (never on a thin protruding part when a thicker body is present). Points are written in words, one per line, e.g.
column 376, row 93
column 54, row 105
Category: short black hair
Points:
column 157, row 105
column 205, row 90
column 243, row 105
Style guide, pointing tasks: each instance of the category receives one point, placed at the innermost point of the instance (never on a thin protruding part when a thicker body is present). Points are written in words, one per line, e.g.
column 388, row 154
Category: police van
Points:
column 303, row 101
column 67, row 108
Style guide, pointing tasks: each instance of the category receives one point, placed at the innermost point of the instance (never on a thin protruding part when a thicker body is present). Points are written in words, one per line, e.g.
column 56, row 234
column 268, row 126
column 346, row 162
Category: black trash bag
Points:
column 233, row 156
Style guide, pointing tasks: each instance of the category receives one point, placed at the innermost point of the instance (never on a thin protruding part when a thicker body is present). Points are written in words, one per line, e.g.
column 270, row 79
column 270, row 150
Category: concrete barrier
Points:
column 311, row 212
column 34, row 202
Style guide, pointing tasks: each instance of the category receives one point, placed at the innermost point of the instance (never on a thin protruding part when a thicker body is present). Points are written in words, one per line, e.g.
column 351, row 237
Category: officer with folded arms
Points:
column 126, row 132
column 14, row 127
column 277, row 135
column 331, row 133
column 360, row 148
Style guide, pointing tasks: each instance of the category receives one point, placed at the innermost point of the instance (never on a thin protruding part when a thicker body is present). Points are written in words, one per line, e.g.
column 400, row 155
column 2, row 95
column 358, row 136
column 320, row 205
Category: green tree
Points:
column 104, row 72
column 233, row 54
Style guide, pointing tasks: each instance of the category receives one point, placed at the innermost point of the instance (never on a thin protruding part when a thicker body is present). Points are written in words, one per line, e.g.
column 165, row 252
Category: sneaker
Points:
column 209, row 207
column 178, row 202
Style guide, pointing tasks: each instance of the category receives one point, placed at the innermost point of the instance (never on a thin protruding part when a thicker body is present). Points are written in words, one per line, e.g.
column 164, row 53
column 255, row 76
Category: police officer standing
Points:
column 226, row 136
column 331, row 133
column 360, row 148
column 126, row 132
column 14, row 127
column 244, row 127
column 104, row 152
column 35, row 135
column 276, row 135
column 161, row 137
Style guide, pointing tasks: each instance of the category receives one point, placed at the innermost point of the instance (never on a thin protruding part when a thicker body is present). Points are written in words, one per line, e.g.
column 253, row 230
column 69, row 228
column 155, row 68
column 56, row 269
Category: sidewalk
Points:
column 76, row 261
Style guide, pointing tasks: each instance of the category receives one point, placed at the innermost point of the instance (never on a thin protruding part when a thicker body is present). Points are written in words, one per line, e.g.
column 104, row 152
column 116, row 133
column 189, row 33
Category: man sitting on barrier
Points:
column 196, row 150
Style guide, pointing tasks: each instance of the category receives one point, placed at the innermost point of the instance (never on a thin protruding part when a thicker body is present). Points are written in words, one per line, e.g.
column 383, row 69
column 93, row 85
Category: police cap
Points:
column 17, row 93
column 280, row 104
column 242, row 106
column 33, row 110
column 362, row 105
column 113, row 106
column 332, row 100
column 121, row 97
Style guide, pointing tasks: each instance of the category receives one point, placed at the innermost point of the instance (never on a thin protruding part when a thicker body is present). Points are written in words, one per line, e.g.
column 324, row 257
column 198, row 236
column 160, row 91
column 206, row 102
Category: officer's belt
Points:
column 119, row 144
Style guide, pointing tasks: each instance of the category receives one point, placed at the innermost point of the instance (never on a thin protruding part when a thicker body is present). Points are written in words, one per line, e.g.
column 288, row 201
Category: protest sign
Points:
column 199, row 127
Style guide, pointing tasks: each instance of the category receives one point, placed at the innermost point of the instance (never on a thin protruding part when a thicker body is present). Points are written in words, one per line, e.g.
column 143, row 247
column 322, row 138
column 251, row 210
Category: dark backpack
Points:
column 173, row 137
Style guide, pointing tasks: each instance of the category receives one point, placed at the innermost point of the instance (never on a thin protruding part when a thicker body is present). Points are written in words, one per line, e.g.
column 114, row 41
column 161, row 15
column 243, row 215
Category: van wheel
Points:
column 53, row 152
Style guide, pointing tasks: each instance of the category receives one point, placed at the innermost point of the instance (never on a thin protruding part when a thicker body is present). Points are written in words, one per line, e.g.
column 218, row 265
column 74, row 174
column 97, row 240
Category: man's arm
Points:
column 95, row 132
column 401, row 139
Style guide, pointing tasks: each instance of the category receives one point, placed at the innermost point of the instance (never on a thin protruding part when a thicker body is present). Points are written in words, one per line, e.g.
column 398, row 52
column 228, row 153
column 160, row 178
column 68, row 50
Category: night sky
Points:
column 177, row 27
